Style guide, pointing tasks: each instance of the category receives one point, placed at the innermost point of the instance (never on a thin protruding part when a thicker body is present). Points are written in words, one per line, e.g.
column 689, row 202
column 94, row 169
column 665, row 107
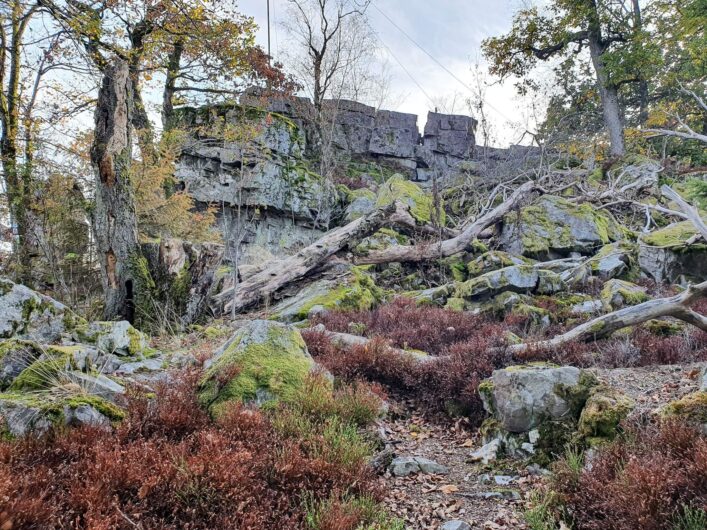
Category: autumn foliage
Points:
column 168, row 465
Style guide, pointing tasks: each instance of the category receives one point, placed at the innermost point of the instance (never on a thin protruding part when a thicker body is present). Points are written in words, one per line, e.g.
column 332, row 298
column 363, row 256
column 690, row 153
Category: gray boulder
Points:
column 618, row 293
column 26, row 314
column 613, row 260
column 96, row 385
column 553, row 227
column 15, row 356
column 119, row 338
column 518, row 279
column 521, row 397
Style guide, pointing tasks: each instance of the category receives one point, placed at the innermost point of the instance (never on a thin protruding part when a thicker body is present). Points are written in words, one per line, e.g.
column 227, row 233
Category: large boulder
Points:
column 119, row 338
column 26, row 314
column 618, row 293
column 668, row 254
column 15, row 356
column 522, row 397
column 261, row 362
column 553, row 227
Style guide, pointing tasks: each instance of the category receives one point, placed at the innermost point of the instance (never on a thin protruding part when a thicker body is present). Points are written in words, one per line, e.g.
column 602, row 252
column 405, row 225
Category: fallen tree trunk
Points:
column 677, row 306
column 349, row 340
column 422, row 252
column 266, row 282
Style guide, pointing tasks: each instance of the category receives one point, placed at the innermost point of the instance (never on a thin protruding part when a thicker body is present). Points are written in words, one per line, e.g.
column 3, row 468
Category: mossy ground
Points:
column 422, row 207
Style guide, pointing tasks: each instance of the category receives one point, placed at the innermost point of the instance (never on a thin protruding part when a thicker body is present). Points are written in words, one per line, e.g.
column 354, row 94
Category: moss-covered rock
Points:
column 691, row 408
column 614, row 260
column 554, row 227
column 15, row 356
column 356, row 291
column 26, row 314
column 492, row 261
column 421, row 204
column 119, row 338
column 38, row 412
column 603, row 411
column 518, row 279
column 618, row 293
column 263, row 361
column 45, row 372
column 669, row 253
column 382, row 239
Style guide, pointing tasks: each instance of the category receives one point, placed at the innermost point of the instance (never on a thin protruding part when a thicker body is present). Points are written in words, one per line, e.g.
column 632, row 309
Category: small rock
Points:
column 98, row 385
column 84, row 415
column 487, row 453
column 455, row 525
column 403, row 466
column 537, row 471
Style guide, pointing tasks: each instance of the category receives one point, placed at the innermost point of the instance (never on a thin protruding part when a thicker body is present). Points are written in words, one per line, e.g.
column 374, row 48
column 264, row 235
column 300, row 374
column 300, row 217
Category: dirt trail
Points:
column 427, row 501
column 470, row 491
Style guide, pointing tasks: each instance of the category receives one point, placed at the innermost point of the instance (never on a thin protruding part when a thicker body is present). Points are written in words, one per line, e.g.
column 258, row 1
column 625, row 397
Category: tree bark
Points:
column 422, row 252
column 611, row 108
column 115, row 222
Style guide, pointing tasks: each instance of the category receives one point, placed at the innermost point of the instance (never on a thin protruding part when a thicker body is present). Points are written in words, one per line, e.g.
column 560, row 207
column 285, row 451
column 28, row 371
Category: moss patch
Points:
column 421, row 205
column 692, row 408
column 602, row 413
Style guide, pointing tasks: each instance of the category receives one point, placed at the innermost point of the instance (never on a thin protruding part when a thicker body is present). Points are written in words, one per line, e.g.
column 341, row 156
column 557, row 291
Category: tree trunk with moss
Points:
column 123, row 268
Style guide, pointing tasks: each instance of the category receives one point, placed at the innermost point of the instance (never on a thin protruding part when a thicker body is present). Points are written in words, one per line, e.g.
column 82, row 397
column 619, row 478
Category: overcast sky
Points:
column 450, row 30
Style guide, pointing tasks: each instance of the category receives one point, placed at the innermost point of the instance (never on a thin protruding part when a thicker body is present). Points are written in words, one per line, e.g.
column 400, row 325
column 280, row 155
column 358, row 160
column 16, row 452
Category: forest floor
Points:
column 493, row 496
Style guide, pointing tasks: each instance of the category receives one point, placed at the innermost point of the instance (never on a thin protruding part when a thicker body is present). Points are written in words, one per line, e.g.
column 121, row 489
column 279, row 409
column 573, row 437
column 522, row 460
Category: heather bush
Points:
column 168, row 465
column 652, row 478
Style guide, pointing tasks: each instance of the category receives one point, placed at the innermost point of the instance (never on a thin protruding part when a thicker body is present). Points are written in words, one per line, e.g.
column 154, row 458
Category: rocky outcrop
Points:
column 521, row 397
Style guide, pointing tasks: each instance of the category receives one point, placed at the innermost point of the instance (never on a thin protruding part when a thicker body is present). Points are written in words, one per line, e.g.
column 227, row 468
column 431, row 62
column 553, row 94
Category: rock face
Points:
column 261, row 362
column 26, row 314
column 666, row 256
column 521, row 397
column 554, row 228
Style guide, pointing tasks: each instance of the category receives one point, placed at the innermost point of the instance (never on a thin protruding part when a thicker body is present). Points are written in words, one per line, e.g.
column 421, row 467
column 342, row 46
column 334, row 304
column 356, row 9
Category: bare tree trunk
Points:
column 613, row 116
column 115, row 222
column 677, row 306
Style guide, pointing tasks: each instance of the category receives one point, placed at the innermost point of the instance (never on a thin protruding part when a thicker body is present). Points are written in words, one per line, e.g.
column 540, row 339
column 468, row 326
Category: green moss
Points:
column 664, row 328
column 692, row 408
column 359, row 293
column 108, row 409
column 45, row 373
column 455, row 304
column 577, row 395
column 674, row 236
column 486, row 392
column 602, row 413
column 144, row 288
column 539, row 233
column 421, row 205
column 617, row 293
column 277, row 365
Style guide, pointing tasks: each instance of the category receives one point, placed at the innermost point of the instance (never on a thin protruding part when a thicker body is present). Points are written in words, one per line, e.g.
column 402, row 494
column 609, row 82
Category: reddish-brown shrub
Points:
column 642, row 481
column 169, row 466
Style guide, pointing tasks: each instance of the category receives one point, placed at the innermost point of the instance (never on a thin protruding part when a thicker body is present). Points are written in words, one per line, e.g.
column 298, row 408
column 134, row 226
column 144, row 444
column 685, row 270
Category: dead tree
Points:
column 114, row 219
column 273, row 278
column 454, row 245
